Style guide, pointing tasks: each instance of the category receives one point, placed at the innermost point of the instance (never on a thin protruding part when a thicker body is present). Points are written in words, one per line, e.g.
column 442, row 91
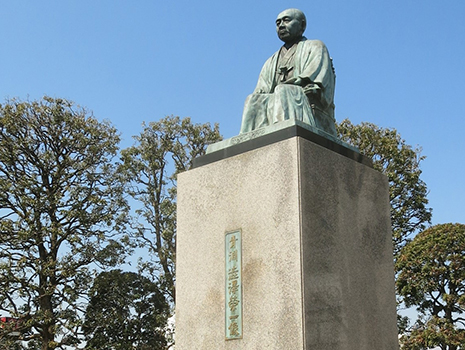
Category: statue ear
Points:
column 303, row 24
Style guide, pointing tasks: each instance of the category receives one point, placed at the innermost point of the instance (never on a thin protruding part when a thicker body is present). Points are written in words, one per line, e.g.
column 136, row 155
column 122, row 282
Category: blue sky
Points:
column 399, row 64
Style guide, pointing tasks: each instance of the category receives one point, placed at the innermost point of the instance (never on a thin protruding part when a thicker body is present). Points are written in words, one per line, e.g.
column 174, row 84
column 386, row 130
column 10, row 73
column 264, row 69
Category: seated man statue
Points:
column 297, row 82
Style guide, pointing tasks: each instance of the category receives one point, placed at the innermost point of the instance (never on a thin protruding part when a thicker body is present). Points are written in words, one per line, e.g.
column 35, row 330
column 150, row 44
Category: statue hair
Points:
column 300, row 16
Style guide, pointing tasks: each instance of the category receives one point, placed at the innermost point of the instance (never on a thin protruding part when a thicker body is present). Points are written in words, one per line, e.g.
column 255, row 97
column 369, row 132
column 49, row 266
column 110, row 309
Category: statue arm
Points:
column 316, row 71
column 265, row 80
column 307, row 85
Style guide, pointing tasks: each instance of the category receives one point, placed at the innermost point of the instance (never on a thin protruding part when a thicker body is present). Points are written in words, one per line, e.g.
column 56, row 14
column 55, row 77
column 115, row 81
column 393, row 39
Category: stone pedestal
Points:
column 317, row 267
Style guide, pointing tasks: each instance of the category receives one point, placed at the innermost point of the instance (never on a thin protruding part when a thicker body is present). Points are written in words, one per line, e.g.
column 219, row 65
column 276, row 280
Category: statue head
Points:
column 290, row 25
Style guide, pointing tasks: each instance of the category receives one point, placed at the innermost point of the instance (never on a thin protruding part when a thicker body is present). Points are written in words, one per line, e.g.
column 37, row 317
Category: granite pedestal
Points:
column 317, row 267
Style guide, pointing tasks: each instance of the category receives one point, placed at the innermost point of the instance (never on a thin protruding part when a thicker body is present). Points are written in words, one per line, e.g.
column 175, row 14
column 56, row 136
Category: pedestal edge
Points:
column 277, row 136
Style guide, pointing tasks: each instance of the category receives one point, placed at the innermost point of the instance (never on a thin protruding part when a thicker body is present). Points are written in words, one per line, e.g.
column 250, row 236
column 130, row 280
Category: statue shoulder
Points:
column 313, row 43
column 273, row 56
column 269, row 62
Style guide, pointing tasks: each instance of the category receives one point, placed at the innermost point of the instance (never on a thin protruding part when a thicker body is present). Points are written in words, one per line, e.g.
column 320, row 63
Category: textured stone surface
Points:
column 347, row 254
column 317, row 256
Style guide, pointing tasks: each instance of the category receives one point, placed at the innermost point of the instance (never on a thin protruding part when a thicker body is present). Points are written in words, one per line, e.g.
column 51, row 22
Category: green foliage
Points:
column 125, row 311
column 401, row 164
column 60, row 204
column 163, row 149
column 432, row 278
column 436, row 332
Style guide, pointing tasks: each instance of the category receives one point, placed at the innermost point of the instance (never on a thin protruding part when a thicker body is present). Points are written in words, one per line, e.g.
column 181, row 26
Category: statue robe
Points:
column 272, row 101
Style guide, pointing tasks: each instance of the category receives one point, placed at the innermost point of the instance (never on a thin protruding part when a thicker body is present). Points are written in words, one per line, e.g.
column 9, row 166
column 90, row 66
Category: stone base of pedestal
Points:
column 316, row 267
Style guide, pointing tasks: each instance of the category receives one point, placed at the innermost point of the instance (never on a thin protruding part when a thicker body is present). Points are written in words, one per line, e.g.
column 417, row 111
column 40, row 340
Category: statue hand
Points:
column 298, row 81
column 311, row 89
column 294, row 81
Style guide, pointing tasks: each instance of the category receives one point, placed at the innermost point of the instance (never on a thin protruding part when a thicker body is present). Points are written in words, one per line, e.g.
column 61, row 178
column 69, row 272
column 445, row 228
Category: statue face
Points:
column 288, row 27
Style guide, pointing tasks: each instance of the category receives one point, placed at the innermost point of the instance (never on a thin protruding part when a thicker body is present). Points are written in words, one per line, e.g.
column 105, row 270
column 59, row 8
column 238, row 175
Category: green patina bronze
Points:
column 297, row 82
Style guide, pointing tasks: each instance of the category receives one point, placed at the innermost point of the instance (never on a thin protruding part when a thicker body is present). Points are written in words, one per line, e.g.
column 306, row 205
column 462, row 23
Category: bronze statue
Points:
column 297, row 82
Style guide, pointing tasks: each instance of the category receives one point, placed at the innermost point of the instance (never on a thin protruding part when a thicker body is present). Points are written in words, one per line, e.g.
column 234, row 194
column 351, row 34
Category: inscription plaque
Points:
column 233, row 291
